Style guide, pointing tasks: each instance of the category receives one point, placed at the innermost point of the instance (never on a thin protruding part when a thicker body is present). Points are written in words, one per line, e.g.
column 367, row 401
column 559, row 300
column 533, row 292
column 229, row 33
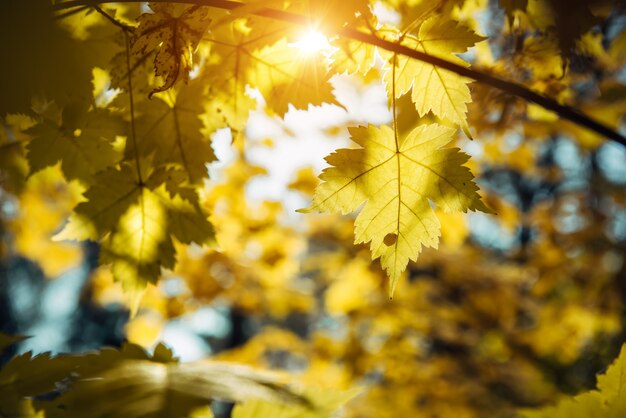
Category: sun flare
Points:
column 311, row 42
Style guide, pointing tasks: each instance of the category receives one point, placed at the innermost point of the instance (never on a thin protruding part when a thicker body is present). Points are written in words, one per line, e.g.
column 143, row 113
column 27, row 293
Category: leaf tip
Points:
column 309, row 209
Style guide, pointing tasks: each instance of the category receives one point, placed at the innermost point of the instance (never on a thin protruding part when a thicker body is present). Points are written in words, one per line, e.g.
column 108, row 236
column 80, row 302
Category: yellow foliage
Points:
column 577, row 325
column 44, row 204
column 144, row 329
column 354, row 287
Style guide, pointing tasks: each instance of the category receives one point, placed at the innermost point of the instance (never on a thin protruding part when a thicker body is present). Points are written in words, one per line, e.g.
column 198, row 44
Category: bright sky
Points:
column 301, row 140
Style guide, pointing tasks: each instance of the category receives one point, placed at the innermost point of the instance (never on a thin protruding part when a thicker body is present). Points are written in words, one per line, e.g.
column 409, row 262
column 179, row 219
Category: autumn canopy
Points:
column 458, row 252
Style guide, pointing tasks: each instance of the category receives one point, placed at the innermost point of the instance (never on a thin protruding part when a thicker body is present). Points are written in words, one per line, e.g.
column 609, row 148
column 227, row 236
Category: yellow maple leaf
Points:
column 170, row 129
column 284, row 76
column 434, row 89
column 397, row 178
column 137, row 220
column 353, row 56
column 173, row 30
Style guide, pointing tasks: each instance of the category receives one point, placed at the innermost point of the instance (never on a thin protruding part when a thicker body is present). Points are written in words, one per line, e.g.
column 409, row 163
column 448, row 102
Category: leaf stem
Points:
column 393, row 102
column 483, row 77
column 133, row 134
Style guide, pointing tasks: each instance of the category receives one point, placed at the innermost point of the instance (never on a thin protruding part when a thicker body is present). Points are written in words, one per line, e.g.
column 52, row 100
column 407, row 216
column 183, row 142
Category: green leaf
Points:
column 83, row 145
column 13, row 142
column 45, row 61
column 186, row 220
column 169, row 130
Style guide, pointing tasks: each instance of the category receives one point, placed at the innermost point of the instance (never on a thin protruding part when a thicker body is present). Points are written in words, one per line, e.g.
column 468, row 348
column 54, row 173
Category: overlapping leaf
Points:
column 25, row 376
column 444, row 93
column 169, row 130
column 174, row 30
column 397, row 178
column 83, row 144
column 133, row 384
column 286, row 77
column 138, row 222
column 353, row 56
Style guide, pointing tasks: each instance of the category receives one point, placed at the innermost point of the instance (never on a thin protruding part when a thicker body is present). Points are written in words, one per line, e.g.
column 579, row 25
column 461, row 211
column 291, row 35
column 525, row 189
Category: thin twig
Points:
column 565, row 112
column 71, row 13
column 113, row 20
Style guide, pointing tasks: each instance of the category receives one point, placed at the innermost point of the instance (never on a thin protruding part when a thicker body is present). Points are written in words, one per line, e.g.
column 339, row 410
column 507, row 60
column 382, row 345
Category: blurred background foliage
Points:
column 512, row 311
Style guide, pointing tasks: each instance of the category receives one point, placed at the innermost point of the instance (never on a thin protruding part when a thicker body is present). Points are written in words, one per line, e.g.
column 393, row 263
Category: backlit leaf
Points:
column 133, row 384
column 397, row 181
column 173, row 30
column 83, row 144
column 286, row 77
column 433, row 89
column 170, row 131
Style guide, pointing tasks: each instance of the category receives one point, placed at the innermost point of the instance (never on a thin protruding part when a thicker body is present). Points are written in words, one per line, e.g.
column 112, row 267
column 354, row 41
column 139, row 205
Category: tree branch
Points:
column 114, row 21
column 515, row 89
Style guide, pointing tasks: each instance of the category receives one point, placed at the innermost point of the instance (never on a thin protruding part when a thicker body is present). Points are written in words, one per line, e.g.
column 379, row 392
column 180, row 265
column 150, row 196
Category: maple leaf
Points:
column 285, row 77
column 608, row 401
column 25, row 376
column 138, row 220
column 139, row 246
column 228, row 105
column 133, row 384
column 83, row 144
column 170, row 131
column 397, row 178
column 353, row 56
column 434, row 89
column 233, row 49
column 107, row 200
column 174, row 30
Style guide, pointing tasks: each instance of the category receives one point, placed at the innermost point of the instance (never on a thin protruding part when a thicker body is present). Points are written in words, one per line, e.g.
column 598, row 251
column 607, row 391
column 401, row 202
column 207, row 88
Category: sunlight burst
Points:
column 311, row 42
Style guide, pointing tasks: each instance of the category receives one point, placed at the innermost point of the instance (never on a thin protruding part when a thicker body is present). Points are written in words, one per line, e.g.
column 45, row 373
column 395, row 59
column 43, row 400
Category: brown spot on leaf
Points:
column 390, row 239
